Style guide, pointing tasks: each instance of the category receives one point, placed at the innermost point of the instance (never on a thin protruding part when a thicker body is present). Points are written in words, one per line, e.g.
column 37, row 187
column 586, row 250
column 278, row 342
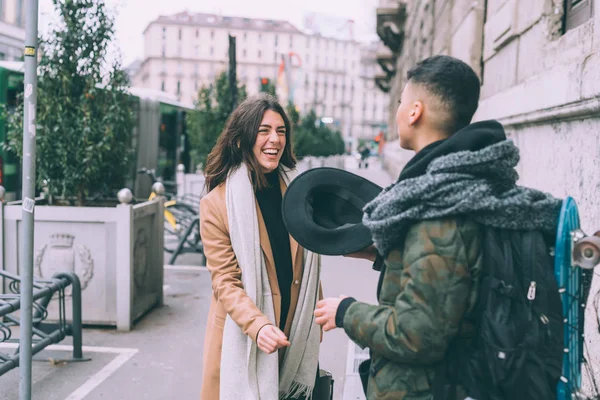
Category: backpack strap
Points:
column 446, row 371
column 440, row 381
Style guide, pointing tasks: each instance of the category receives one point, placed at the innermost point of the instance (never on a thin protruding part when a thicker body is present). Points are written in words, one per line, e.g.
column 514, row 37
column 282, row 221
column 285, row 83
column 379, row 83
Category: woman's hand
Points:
column 368, row 253
column 270, row 339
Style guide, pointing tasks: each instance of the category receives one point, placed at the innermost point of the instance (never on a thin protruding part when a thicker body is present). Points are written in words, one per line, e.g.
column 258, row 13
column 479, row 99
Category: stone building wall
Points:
column 540, row 81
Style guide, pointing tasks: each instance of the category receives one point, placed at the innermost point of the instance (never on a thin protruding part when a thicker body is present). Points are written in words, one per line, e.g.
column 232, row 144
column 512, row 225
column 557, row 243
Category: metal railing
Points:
column 43, row 333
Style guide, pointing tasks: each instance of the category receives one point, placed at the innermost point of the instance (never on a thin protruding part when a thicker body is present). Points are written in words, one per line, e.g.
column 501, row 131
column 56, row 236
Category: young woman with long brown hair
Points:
column 261, row 338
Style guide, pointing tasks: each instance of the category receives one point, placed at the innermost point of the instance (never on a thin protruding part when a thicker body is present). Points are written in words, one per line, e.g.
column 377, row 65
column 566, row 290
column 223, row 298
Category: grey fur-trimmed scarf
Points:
column 480, row 184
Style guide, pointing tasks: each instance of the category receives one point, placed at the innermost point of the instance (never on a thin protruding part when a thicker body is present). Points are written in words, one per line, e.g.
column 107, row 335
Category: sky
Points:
column 134, row 15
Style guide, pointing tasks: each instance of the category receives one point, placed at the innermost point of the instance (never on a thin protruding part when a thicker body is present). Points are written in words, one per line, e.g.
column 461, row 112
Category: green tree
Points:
column 293, row 114
column 313, row 138
column 206, row 122
column 84, row 114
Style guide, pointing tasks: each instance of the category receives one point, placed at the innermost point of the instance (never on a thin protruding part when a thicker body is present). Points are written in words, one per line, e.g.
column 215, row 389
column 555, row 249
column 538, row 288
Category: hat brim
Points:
column 322, row 210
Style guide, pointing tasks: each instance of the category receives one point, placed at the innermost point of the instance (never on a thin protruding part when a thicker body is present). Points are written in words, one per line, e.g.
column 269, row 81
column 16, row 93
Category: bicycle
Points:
column 172, row 202
column 181, row 218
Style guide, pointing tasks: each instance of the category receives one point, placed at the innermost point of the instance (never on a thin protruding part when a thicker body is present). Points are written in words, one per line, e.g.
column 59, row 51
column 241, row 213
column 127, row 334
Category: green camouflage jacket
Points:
column 426, row 289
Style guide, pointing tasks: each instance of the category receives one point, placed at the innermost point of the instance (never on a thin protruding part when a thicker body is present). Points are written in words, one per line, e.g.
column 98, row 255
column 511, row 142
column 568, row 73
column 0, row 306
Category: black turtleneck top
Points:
column 269, row 201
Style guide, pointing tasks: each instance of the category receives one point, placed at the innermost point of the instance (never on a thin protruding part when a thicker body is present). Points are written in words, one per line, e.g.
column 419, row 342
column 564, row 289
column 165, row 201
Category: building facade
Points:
column 12, row 29
column 184, row 52
column 539, row 63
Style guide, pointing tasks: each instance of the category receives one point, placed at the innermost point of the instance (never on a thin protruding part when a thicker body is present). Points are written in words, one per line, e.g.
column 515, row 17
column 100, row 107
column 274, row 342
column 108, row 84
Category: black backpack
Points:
column 515, row 348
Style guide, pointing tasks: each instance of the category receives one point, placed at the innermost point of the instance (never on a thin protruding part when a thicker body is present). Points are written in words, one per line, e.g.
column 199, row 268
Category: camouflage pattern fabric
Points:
column 427, row 288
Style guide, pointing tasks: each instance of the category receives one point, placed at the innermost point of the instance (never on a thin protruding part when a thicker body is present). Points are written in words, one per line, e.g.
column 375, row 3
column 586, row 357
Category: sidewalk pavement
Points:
column 161, row 358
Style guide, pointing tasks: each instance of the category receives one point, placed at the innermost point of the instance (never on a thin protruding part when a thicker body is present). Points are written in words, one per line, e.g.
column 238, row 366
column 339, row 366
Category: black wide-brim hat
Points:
column 322, row 210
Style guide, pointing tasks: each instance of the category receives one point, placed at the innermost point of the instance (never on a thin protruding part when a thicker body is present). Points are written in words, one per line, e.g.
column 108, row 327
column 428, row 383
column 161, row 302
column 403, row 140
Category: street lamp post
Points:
column 26, row 248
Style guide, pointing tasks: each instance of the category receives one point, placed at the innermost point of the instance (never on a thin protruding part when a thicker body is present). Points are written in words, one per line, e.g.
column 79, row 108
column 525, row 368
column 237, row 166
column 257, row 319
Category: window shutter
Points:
column 577, row 12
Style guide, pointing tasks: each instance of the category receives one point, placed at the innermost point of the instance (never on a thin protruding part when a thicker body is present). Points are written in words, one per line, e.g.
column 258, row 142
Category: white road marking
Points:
column 102, row 375
column 123, row 355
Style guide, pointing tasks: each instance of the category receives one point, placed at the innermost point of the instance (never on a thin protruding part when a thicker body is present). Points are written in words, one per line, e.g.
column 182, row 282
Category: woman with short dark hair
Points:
column 261, row 338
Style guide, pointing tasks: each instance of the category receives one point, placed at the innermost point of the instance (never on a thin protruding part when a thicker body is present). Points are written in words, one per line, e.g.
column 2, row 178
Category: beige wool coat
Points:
column 228, row 295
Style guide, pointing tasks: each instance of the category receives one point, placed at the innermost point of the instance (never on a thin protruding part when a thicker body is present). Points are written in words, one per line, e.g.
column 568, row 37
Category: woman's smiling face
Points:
column 270, row 141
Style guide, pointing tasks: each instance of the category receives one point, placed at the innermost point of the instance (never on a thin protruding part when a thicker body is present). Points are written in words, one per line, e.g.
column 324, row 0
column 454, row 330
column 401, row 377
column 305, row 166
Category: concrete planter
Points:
column 190, row 184
column 117, row 252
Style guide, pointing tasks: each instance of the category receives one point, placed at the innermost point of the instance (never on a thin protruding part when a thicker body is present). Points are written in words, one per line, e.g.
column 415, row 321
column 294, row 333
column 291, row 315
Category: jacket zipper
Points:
column 532, row 285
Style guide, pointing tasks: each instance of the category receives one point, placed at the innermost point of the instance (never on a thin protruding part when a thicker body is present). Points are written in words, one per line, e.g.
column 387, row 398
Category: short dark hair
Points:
column 235, row 143
column 454, row 82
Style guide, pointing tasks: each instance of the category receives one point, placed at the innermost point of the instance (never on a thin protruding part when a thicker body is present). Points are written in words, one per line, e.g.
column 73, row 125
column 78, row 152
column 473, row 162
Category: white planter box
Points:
column 191, row 184
column 117, row 253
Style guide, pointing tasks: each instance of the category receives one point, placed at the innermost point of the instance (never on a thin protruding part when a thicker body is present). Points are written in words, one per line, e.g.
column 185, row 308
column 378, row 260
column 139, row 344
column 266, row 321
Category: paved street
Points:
column 161, row 358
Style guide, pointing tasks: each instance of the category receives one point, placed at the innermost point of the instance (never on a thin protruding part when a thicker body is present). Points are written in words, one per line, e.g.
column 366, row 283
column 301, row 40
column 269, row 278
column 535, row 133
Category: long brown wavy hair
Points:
column 235, row 143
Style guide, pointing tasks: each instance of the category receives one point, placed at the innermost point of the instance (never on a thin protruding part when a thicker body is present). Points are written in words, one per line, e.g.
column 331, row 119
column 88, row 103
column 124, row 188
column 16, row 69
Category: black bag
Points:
column 363, row 371
column 516, row 349
column 324, row 386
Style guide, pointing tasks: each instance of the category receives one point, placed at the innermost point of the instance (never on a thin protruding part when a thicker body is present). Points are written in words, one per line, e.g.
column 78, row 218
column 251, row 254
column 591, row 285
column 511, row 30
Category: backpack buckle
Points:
column 502, row 288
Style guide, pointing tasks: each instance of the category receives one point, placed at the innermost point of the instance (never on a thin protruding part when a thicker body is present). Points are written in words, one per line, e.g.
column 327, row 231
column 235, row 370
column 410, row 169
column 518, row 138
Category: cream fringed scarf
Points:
column 246, row 372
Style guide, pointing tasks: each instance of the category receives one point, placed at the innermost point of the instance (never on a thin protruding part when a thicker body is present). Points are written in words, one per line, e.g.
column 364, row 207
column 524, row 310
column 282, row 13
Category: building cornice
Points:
column 166, row 20
column 207, row 60
column 575, row 110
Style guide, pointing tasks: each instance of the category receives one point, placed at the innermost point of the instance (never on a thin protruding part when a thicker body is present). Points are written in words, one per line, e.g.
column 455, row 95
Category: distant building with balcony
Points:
column 185, row 51
column 12, row 29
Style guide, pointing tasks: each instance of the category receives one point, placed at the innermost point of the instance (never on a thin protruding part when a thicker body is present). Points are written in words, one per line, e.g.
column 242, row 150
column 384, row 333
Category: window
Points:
column 577, row 12
column 178, row 87
column 244, row 52
column 162, row 86
column 179, row 33
column 197, row 33
column 164, row 33
column 259, row 54
column 245, row 36
column 275, row 58
column 276, row 40
column 212, row 34
column 164, row 51
column 291, row 41
column 212, row 50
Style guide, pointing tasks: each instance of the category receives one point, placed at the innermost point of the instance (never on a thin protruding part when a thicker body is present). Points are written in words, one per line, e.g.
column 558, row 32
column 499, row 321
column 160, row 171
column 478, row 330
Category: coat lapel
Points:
column 265, row 243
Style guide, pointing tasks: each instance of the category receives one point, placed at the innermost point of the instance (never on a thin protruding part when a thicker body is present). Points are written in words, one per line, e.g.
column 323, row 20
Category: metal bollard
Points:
column 180, row 178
